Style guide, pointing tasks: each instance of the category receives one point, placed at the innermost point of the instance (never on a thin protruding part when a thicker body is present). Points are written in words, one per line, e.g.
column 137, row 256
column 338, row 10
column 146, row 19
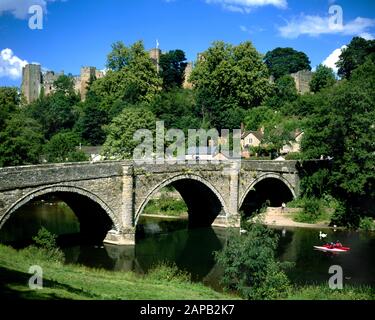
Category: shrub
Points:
column 367, row 224
column 169, row 272
column 45, row 245
column 250, row 266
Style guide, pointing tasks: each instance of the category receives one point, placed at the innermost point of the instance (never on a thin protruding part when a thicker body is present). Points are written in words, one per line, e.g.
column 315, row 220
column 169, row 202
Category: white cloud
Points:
column 332, row 59
column 316, row 25
column 367, row 36
column 10, row 65
column 20, row 8
column 251, row 30
column 245, row 6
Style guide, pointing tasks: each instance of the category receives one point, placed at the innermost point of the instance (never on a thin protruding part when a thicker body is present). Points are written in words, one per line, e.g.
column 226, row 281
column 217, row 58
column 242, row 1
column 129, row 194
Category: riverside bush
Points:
column 168, row 272
column 45, row 247
column 250, row 266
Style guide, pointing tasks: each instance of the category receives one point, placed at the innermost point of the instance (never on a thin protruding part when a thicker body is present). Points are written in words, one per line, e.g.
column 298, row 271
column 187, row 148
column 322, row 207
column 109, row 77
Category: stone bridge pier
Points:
column 109, row 197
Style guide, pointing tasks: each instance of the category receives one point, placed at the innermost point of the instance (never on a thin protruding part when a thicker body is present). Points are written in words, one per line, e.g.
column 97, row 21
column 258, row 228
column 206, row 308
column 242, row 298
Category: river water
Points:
column 169, row 240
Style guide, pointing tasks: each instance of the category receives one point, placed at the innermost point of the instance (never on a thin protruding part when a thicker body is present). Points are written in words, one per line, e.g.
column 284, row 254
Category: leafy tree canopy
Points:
column 354, row 55
column 120, row 143
column 132, row 77
column 323, row 77
column 284, row 61
column 229, row 77
column 173, row 65
column 9, row 100
column 63, row 148
column 21, row 141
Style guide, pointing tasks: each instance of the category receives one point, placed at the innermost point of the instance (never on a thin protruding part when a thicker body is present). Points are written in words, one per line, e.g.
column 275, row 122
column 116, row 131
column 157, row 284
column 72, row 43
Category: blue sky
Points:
column 80, row 32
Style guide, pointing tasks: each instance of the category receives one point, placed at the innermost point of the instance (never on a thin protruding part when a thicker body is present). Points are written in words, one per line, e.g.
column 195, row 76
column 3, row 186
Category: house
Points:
column 293, row 146
column 93, row 153
column 250, row 139
column 209, row 153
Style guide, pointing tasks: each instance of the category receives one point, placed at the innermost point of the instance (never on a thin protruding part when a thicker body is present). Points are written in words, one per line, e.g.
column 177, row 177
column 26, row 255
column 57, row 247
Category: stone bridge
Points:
column 109, row 197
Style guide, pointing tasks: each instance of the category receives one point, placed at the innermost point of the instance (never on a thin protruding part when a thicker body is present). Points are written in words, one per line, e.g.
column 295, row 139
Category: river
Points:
column 169, row 240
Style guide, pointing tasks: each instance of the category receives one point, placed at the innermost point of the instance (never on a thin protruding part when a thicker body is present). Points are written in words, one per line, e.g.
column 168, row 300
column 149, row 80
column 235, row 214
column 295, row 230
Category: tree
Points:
column 342, row 127
column 9, row 101
column 354, row 55
column 63, row 148
column 21, row 141
column 229, row 77
column 132, row 77
column 91, row 121
column 284, row 61
column 120, row 132
column 64, row 84
column 323, row 77
column 172, row 66
column 177, row 109
column 250, row 266
column 284, row 92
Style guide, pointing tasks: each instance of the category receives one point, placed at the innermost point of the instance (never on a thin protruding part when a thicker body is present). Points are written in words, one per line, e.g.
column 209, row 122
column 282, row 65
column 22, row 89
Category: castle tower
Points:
column 31, row 82
column 188, row 70
column 87, row 73
column 302, row 79
column 155, row 55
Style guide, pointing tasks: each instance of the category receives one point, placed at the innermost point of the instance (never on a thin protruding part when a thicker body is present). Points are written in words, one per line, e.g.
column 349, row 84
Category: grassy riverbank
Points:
column 73, row 282
column 77, row 282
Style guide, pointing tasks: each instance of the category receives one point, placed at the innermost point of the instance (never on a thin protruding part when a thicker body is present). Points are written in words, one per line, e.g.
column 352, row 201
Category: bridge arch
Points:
column 193, row 181
column 65, row 192
column 274, row 180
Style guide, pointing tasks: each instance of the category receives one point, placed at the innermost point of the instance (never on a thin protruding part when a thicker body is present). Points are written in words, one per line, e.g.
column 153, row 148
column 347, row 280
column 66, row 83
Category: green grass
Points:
column 78, row 282
column 323, row 292
column 312, row 210
column 166, row 206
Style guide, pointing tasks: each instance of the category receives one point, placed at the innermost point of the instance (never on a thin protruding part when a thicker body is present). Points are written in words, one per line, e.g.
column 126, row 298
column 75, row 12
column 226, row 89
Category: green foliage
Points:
column 285, row 92
column 166, row 206
column 65, row 85
column 21, row 141
column 172, row 68
column 120, row 143
column 177, row 109
column 91, row 122
column 168, row 272
column 63, row 148
column 9, row 101
column 227, row 78
column 250, row 266
column 367, row 224
column 45, row 239
column 354, row 55
column 323, row 77
column 132, row 77
column 312, row 211
column 342, row 127
column 45, row 246
column 284, row 61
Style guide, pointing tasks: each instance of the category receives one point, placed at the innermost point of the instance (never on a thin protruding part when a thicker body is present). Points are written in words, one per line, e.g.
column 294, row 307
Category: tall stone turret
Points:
column 87, row 73
column 155, row 55
column 31, row 82
column 188, row 70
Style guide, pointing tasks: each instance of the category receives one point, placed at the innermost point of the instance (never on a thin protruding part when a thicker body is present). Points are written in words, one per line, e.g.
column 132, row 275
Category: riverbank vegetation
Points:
column 251, row 272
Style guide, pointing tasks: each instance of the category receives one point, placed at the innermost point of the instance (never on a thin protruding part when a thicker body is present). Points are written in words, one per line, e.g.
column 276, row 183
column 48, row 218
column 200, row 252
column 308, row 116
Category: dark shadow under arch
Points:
column 94, row 220
column 270, row 192
column 203, row 201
